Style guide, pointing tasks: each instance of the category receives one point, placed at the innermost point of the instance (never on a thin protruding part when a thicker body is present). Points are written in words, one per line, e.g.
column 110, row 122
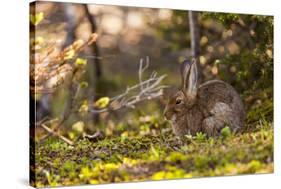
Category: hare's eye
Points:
column 178, row 101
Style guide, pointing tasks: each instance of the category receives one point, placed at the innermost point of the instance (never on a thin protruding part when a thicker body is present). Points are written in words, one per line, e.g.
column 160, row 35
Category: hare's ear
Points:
column 189, row 77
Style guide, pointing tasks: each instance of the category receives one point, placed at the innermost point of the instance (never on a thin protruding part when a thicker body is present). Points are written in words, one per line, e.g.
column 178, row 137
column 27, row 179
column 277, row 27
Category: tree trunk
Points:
column 195, row 39
column 96, row 66
column 69, row 11
column 95, row 48
column 194, row 33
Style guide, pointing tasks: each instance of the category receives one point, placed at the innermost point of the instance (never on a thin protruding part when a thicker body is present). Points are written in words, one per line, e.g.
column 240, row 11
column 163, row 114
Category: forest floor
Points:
column 159, row 156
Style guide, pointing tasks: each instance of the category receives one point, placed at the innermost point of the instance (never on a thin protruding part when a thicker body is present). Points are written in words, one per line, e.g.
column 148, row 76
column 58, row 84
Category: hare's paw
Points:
column 208, row 126
column 212, row 126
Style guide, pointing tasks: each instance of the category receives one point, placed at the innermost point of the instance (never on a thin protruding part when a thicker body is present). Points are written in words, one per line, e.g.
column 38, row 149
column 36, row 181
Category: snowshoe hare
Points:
column 206, row 108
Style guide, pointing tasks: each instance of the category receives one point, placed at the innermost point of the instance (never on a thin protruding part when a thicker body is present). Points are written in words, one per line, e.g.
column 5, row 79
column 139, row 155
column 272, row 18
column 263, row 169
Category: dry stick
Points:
column 129, row 89
column 45, row 121
column 147, row 90
column 52, row 132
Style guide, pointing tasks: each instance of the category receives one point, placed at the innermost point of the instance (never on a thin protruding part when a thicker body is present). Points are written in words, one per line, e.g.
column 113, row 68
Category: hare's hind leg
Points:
column 221, row 116
column 211, row 126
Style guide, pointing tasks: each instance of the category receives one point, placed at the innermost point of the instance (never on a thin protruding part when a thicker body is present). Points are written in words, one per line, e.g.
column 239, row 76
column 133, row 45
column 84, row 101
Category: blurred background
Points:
column 233, row 47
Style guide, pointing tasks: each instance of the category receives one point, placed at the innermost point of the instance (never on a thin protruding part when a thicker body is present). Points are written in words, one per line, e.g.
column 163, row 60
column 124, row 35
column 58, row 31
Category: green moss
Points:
column 153, row 157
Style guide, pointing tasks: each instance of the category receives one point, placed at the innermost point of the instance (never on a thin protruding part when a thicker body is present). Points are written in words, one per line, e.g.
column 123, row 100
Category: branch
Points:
column 145, row 90
column 194, row 33
column 52, row 132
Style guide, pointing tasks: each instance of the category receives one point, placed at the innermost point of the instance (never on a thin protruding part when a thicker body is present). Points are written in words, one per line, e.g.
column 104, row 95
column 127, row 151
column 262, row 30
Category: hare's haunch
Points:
column 206, row 108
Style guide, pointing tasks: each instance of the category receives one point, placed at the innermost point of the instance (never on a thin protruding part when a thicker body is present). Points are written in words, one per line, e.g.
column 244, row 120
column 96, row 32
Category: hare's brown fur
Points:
column 206, row 108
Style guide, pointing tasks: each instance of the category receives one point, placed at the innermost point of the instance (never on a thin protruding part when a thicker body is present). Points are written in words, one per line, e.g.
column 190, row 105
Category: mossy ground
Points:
column 155, row 156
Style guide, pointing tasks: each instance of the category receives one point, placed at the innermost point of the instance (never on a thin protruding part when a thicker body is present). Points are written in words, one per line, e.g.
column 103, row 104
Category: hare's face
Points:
column 184, row 99
column 175, row 106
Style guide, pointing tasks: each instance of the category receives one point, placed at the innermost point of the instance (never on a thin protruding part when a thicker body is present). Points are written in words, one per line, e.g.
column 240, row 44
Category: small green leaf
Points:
column 84, row 107
column 158, row 175
column 37, row 18
column 102, row 102
column 200, row 136
column 78, row 126
column 84, row 84
column 124, row 136
column 254, row 165
column 176, row 156
column 85, row 173
column 38, row 40
column 154, row 152
column 226, row 132
column 94, row 181
column 71, row 135
column 80, row 62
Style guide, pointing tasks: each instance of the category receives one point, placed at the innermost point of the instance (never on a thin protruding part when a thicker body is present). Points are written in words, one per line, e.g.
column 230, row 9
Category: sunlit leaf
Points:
column 124, row 136
column 71, row 135
column 158, row 175
column 102, row 102
column 69, row 55
column 68, row 165
column 37, row 18
column 176, row 156
column 38, row 40
column 78, row 126
column 254, row 165
column 154, row 151
column 80, row 62
column 85, row 172
column 94, row 181
column 129, row 161
column 200, row 136
column 84, row 84
column 111, row 166
column 84, row 107
column 48, row 176
column 189, row 175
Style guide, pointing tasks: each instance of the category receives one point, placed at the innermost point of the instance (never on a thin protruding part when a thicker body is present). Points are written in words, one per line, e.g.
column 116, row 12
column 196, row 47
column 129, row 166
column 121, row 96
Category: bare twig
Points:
column 52, row 132
column 94, row 137
column 145, row 90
